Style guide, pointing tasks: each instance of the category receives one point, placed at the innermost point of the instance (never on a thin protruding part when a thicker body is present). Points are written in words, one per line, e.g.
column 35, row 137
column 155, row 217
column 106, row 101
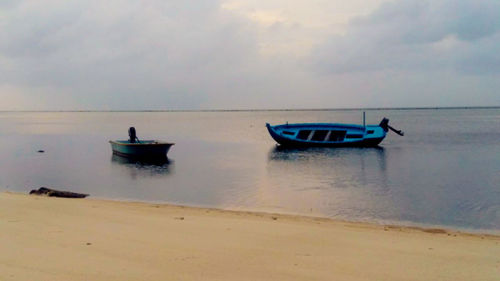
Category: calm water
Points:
column 445, row 171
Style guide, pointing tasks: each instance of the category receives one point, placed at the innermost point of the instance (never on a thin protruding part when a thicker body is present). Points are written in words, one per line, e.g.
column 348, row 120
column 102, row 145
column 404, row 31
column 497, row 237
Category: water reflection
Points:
column 331, row 167
column 280, row 152
column 332, row 180
column 144, row 167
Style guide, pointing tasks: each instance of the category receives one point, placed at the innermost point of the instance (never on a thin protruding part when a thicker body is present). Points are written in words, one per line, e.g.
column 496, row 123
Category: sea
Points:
column 444, row 172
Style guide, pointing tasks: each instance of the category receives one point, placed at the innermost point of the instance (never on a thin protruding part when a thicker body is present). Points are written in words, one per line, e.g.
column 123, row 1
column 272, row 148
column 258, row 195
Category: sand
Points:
column 45, row 238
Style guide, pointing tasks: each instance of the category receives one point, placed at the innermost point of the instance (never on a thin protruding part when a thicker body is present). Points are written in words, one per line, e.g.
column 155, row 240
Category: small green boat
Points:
column 140, row 149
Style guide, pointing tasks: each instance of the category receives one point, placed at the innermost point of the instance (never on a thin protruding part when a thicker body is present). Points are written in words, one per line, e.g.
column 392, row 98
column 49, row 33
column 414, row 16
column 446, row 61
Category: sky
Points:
column 248, row 54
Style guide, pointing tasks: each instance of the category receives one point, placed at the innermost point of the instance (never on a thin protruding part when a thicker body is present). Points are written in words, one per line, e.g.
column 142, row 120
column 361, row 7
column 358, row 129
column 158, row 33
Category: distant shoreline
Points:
column 267, row 110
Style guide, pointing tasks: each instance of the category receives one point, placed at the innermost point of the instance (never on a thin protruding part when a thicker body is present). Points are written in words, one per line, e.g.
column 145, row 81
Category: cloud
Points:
column 140, row 53
column 418, row 35
column 131, row 54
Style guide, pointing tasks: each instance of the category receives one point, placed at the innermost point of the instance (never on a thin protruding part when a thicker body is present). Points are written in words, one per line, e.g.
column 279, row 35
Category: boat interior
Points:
column 323, row 135
column 137, row 142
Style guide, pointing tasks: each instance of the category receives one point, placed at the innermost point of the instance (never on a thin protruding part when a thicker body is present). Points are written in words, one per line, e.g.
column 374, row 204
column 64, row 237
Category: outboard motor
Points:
column 132, row 135
column 385, row 125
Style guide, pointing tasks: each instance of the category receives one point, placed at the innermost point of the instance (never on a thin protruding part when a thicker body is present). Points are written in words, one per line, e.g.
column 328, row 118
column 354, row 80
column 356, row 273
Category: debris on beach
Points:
column 44, row 191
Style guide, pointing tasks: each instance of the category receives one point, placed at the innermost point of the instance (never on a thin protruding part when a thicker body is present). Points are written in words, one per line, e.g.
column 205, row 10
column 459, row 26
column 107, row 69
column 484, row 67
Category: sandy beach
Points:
column 87, row 239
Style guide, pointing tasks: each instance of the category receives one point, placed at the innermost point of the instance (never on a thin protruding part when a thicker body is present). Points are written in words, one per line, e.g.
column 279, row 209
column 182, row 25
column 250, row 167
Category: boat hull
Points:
column 142, row 150
column 347, row 135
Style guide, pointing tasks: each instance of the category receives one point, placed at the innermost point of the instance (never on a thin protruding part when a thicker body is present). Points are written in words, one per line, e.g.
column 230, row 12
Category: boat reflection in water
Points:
column 144, row 167
column 335, row 167
column 318, row 156
column 347, row 183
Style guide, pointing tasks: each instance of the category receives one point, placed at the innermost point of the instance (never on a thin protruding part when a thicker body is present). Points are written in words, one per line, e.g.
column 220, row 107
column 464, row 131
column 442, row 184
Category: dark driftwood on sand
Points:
column 57, row 193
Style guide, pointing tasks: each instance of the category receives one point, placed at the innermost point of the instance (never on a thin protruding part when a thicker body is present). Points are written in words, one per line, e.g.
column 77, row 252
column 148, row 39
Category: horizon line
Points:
column 266, row 110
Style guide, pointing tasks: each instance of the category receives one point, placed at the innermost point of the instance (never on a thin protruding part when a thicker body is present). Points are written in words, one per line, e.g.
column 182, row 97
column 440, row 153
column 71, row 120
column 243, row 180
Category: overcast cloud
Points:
column 209, row 54
column 419, row 35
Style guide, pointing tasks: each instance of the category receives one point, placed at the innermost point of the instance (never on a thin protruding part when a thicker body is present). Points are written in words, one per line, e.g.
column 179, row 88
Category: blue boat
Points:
column 140, row 149
column 330, row 134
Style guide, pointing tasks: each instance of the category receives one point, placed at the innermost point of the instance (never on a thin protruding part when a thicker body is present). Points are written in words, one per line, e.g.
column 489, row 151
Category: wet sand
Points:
column 45, row 238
